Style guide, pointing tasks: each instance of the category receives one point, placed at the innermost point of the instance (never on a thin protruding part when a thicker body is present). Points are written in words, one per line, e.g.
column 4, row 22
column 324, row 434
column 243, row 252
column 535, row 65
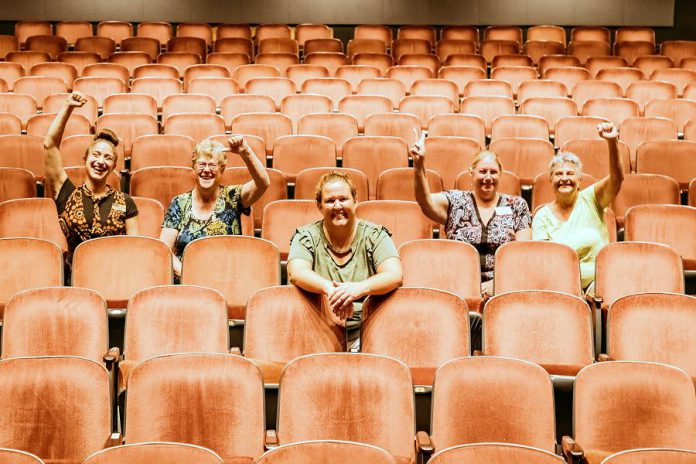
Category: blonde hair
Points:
column 210, row 149
column 108, row 136
column 482, row 155
column 332, row 176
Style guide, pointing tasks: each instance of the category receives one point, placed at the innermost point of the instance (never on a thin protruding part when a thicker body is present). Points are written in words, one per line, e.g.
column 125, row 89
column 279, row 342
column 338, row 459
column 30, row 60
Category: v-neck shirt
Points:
column 464, row 224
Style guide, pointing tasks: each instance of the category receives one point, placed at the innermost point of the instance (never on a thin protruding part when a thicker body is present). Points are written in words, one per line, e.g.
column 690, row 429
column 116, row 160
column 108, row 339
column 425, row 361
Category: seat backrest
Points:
column 198, row 126
column 161, row 150
column 268, row 126
column 393, row 89
column 16, row 183
column 516, row 395
column 326, row 450
column 308, row 325
column 175, row 319
column 673, row 225
column 293, row 153
column 403, row 219
column 281, row 218
column 197, row 386
column 362, row 106
column 145, row 453
column 536, row 258
column 346, row 396
column 656, row 456
column 634, row 131
column 644, row 189
column 372, row 155
column 128, row 127
column 397, row 184
column 31, row 217
column 648, row 327
column 230, row 277
column 426, row 106
column 525, row 157
column 626, row 268
column 494, row 453
column 487, row 108
column 38, row 386
column 150, row 216
column 657, row 401
column 56, row 321
column 338, row 127
column 673, row 158
column 450, row 156
column 438, row 330
column 120, row 265
column 35, row 263
column 679, row 110
column 527, row 325
column 399, row 125
column 594, row 155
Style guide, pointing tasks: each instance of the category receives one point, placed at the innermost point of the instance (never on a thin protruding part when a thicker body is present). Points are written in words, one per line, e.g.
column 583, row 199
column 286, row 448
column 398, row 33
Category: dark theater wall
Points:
column 521, row 12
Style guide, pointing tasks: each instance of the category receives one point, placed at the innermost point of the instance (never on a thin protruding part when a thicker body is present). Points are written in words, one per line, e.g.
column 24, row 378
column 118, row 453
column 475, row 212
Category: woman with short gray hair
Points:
column 576, row 217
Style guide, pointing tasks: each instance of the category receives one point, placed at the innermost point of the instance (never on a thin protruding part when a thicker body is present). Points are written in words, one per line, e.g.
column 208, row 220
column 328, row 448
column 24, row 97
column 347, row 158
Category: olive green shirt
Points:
column 371, row 246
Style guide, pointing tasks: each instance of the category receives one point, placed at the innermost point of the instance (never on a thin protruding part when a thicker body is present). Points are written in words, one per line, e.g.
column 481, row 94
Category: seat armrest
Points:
column 603, row 357
column 115, row 439
column 572, row 451
column 271, row 439
column 424, row 447
column 236, row 350
column 113, row 356
column 478, row 353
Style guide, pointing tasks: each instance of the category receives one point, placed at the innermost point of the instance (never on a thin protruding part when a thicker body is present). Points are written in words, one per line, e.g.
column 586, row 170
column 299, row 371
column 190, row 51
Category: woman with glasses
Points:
column 210, row 208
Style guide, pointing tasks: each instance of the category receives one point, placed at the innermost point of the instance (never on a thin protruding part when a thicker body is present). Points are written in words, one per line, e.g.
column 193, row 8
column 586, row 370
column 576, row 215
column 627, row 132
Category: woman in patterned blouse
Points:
column 93, row 209
column 482, row 217
column 210, row 208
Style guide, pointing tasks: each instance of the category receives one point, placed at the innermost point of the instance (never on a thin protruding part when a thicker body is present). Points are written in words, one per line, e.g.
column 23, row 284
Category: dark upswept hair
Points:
column 105, row 135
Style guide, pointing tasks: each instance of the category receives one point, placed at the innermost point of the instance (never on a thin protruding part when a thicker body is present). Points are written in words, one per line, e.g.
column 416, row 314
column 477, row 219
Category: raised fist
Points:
column 238, row 145
column 76, row 99
column 607, row 130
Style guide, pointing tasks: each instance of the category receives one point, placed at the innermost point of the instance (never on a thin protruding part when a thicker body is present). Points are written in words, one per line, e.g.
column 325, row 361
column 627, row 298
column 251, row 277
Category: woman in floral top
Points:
column 482, row 217
column 210, row 208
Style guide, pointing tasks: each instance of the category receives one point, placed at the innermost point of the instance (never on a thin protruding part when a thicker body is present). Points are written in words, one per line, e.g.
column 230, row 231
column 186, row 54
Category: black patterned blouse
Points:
column 464, row 224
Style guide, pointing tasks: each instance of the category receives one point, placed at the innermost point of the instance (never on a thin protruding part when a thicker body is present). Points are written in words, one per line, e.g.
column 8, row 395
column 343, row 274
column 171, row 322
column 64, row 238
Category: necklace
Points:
column 344, row 250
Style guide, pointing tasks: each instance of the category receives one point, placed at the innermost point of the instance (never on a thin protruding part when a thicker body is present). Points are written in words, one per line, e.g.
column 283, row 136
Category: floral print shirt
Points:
column 225, row 220
column 464, row 224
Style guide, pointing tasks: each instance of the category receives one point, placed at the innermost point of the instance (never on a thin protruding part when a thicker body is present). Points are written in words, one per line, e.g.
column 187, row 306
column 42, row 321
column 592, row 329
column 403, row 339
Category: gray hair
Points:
column 210, row 149
column 566, row 157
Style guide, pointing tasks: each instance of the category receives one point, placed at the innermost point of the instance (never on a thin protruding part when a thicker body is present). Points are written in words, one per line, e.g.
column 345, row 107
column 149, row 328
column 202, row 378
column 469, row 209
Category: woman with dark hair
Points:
column 93, row 209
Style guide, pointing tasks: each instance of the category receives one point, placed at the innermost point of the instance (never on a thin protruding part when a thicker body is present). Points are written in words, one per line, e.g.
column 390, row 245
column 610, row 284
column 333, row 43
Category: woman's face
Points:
column 100, row 160
column 565, row 178
column 208, row 172
column 337, row 204
column 485, row 176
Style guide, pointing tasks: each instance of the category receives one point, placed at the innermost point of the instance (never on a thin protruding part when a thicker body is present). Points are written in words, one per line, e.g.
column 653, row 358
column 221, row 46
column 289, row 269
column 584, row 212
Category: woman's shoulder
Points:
column 310, row 231
column 372, row 231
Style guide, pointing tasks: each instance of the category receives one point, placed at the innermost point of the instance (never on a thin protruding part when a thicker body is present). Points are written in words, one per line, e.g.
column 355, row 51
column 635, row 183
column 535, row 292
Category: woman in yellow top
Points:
column 576, row 218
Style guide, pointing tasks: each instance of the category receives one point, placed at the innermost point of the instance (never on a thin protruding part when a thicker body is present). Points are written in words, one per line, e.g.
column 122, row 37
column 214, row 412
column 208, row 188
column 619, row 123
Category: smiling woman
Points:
column 341, row 256
column 210, row 208
column 93, row 209
column 481, row 217
column 576, row 218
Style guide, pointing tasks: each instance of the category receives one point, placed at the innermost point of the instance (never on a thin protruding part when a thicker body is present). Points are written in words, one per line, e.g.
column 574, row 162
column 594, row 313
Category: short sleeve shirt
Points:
column 585, row 230
column 83, row 217
column 225, row 219
column 371, row 246
column 464, row 224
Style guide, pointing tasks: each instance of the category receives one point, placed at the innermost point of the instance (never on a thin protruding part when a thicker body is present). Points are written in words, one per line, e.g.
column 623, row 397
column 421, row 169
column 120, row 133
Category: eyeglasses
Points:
column 210, row 166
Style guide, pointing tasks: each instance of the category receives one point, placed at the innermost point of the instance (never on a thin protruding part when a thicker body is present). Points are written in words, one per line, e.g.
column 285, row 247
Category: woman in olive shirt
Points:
column 341, row 256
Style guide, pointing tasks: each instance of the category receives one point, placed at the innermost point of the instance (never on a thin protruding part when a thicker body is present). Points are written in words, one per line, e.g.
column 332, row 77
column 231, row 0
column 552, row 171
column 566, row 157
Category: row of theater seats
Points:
column 323, row 139
column 666, row 230
column 365, row 397
column 309, row 38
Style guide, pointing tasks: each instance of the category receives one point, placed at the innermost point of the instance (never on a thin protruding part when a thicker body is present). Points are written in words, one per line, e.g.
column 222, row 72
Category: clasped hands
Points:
column 342, row 295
